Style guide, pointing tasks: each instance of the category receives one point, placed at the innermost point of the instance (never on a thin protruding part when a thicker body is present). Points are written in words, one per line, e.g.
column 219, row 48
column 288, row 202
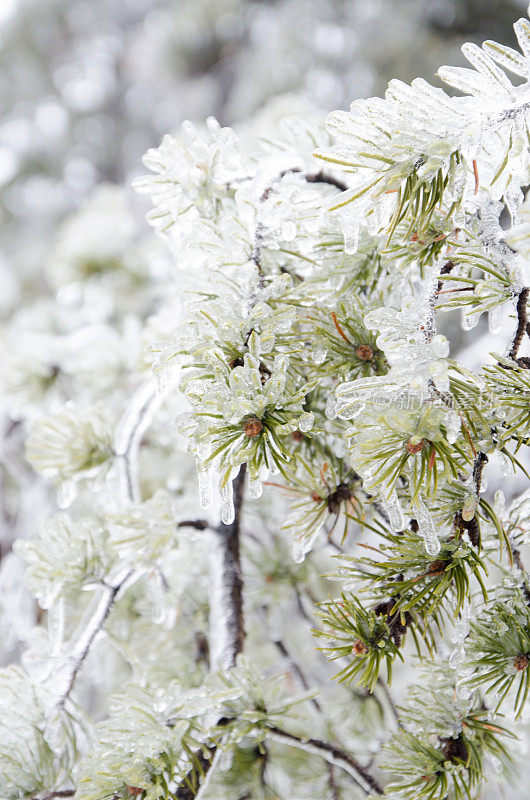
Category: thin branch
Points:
column 322, row 177
column 299, row 673
column 198, row 524
column 521, row 571
column 333, row 755
column 52, row 795
column 86, row 638
column 390, row 700
column 133, row 425
column 522, row 322
column 332, row 782
column 478, row 467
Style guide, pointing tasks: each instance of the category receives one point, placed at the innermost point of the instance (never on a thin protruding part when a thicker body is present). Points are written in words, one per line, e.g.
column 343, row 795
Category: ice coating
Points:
column 396, row 517
column 426, row 527
column 227, row 504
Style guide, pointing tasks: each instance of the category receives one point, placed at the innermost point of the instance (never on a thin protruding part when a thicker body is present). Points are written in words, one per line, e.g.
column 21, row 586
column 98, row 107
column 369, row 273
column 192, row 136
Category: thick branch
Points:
column 227, row 631
column 333, row 755
column 227, row 625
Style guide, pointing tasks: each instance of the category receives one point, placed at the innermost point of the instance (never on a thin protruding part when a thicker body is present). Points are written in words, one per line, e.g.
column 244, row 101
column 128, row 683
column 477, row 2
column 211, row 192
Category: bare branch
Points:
column 522, row 322
column 333, row 755
column 198, row 524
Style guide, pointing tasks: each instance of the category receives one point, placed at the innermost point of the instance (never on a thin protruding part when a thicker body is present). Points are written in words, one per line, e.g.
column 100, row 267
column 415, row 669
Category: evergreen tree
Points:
column 321, row 506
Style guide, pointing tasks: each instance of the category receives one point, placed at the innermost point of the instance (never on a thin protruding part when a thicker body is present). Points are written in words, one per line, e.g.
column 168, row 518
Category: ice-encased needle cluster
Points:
column 294, row 328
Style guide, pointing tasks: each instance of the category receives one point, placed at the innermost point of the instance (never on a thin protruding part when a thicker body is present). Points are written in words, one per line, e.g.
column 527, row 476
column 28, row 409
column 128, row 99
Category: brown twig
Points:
column 322, row 177
column 522, row 322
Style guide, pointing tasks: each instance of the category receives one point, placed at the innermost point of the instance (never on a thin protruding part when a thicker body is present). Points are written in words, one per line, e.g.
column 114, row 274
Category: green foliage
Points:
column 442, row 748
column 497, row 652
column 372, row 637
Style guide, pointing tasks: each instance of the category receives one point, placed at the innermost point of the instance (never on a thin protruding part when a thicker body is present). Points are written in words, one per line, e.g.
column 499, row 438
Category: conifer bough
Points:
column 188, row 652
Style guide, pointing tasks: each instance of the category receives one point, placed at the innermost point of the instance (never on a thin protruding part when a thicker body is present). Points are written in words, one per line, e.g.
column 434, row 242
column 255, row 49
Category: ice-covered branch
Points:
column 133, row 425
column 333, row 755
column 226, row 612
column 522, row 322
column 88, row 634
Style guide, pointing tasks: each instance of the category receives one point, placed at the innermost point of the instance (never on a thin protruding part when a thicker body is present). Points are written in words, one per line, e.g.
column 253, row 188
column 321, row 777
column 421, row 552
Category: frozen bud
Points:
column 252, row 427
column 298, row 436
column 521, row 661
column 437, row 566
column 364, row 352
column 414, row 445
column 134, row 791
column 359, row 648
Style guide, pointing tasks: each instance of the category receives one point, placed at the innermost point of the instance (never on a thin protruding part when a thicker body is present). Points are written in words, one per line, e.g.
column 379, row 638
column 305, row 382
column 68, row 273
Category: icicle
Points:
column 255, row 487
column 157, row 593
column 470, row 321
column 350, row 230
column 469, row 507
column 319, row 355
column 66, row 494
column 452, row 427
column 506, row 465
column 456, row 660
column 393, row 508
column 298, row 550
column 227, row 504
column 494, row 319
column 426, row 528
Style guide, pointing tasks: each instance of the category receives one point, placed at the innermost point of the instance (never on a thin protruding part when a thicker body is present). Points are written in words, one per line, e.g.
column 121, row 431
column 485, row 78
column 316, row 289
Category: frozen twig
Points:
column 134, row 423
column 332, row 754
column 522, row 322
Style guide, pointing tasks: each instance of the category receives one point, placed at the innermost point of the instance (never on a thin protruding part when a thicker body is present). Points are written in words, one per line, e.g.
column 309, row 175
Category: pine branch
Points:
column 333, row 755
column 133, row 425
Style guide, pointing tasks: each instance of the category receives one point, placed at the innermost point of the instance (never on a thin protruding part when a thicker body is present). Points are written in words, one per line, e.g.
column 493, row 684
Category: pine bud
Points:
column 359, row 648
column 414, row 445
column 364, row 352
column 252, row 427
column 521, row 661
